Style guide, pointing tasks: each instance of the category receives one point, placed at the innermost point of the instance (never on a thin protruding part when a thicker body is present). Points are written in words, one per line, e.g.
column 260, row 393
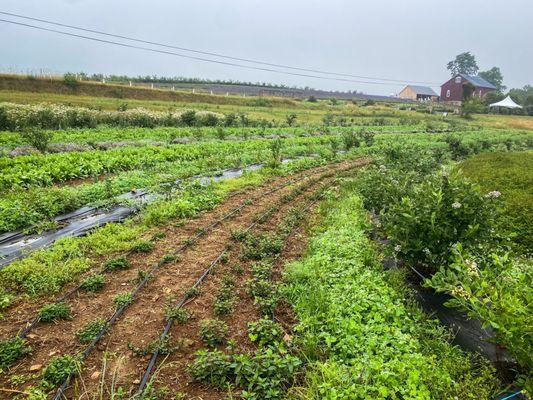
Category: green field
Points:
column 512, row 175
column 271, row 282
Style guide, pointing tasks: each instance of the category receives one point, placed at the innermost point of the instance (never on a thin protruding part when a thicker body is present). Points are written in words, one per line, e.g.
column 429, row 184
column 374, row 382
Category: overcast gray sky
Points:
column 408, row 40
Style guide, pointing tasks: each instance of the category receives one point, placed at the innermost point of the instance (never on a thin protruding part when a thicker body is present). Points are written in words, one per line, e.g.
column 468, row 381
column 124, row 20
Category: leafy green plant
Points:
column 496, row 290
column 180, row 315
column 225, row 299
column 122, row 299
column 142, row 246
column 12, row 350
column 38, row 138
column 93, row 283
column 213, row 332
column 55, row 311
column 211, row 367
column 59, row 368
column 117, row 264
column 260, row 246
column 89, row 332
column 265, row 332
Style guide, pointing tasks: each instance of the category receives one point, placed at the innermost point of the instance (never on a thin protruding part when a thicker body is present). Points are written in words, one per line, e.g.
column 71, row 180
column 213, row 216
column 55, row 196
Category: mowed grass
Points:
column 505, row 121
column 512, row 174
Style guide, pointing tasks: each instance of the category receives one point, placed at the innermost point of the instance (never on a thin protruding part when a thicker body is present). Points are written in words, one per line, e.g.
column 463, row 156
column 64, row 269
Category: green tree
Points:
column 520, row 95
column 493, row 97
column 494, row 76
column 464, row 63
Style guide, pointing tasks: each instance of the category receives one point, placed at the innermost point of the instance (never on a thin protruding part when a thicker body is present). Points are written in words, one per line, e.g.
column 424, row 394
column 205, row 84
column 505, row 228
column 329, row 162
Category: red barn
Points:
column 453, row 89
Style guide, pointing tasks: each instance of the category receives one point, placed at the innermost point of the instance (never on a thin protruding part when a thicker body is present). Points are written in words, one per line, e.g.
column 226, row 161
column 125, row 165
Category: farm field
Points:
column 270, row 257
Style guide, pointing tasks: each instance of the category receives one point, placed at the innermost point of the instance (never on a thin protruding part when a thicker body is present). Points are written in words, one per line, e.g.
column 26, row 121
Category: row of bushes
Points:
column 16, row 117
column 449, row 229
column 358, row 327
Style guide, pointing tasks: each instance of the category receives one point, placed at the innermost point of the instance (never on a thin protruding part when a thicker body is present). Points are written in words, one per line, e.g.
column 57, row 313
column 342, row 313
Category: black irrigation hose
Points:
column 155, row 267
column 201, row 232
column 186, row 296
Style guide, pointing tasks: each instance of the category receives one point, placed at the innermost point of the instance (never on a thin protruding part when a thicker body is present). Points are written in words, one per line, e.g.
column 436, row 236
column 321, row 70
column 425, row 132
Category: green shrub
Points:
column 438, row 213
column 180, row 315
column 122, row 299
column 59, row 369
column 37, row 138
column 188, row 118
column 265, row 332
column 12, row 350
column 496, row 290
column 260, row 246
column 213, row 332
column 211, row 367
column 90, row 331
column 291, row 119
column 54, row 312
column 350, row 140
column 142, row 246
column 93, row 283
column 117, row 263
column 70, row 80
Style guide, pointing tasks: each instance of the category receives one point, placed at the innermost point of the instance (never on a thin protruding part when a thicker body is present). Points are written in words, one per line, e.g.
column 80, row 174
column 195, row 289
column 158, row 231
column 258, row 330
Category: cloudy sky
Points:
column 407, row 40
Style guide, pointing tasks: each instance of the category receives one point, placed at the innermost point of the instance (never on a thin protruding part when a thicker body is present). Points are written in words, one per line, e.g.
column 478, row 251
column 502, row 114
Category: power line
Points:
column 211, row 53
column 195, row 58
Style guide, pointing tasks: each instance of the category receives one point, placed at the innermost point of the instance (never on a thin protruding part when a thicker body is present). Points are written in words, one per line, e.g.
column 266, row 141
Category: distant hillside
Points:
column 172, row 89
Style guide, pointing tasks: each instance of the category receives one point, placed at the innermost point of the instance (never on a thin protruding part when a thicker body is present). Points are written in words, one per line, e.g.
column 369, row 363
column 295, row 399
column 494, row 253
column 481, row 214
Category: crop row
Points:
column 46, row 271
column 47, row 169
column 358, row 328
column 453, row 234
column 107, row 137
column 23, row 208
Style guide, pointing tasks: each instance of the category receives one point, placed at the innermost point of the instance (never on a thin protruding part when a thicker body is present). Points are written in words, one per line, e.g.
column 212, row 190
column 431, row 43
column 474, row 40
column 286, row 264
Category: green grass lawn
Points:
column 512, row 175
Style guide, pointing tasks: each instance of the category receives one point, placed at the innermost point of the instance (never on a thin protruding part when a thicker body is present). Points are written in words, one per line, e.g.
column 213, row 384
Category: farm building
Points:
column 419, row 93
column 456, row 87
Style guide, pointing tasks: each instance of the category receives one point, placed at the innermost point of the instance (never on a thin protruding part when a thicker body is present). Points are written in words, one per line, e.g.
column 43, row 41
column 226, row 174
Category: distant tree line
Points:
column 178, row 80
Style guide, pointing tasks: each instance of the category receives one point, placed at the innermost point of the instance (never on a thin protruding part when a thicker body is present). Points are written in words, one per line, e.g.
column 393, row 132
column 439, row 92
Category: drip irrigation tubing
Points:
column 148, row 371
column 187, row 243
column 61, row 390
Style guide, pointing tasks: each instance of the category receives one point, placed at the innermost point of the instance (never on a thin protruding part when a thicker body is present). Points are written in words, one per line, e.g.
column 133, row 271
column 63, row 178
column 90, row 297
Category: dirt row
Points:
column 138, row 325
column 19, row 314
column 125, row 368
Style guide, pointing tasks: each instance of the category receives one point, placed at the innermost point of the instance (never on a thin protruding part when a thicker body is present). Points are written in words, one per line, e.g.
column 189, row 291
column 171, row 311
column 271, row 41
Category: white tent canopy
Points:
column 507, row 103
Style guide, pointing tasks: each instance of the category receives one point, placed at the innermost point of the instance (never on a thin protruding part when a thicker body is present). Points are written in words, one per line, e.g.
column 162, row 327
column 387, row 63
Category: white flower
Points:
column 459, row 291
column 472, row 267
column 456, row 205
column 397, row 248
column 382, row 168
column 493, row 195
column 426, row 251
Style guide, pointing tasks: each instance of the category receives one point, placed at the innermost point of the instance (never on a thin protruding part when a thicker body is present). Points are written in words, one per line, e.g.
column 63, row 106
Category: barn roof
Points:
column 423, row 90
column 478, row 81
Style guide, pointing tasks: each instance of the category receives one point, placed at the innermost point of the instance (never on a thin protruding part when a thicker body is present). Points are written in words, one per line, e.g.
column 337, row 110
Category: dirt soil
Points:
column 144, row 319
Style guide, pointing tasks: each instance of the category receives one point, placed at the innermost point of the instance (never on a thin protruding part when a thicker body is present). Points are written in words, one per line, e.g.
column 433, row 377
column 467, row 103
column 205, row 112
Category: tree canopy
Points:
column 494, row 76
column 464, row 63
